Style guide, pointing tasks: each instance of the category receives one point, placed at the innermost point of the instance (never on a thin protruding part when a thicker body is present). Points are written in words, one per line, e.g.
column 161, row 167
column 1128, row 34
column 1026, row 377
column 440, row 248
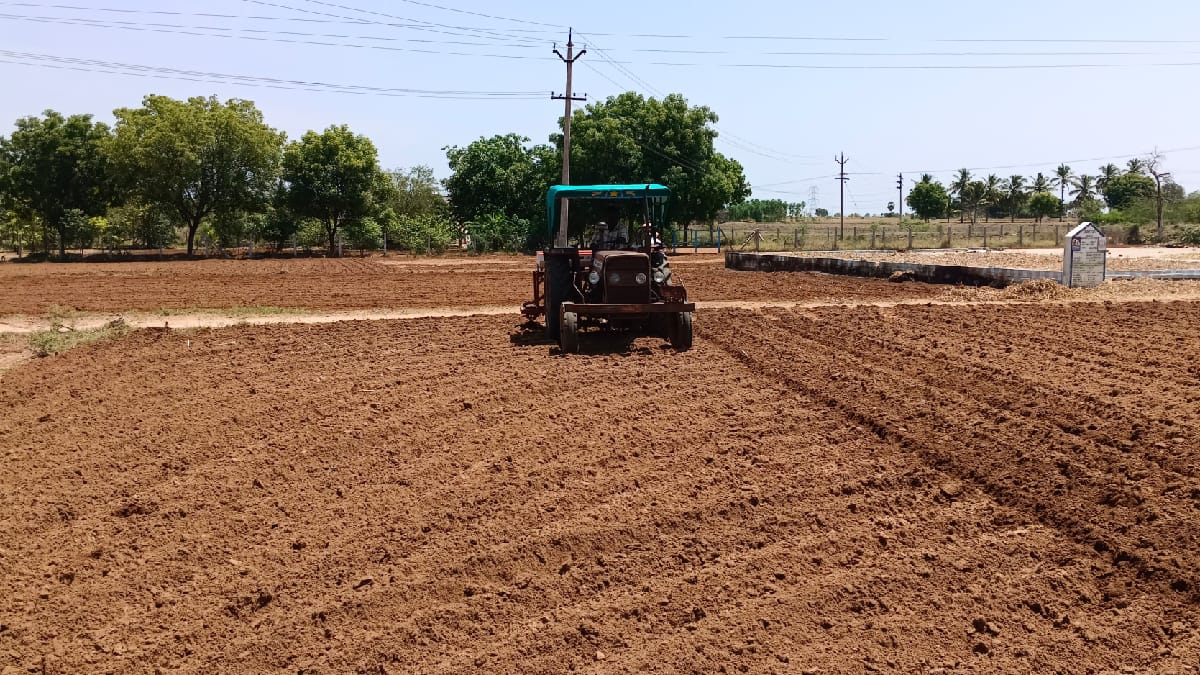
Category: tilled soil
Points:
column 362, row 283
column 936, row 489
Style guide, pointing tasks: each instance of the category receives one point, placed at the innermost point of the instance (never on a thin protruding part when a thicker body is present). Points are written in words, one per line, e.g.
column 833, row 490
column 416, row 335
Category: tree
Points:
column 1083, row 189
column 196, row 158
column 1062, row 178
column 1043, row 204
column 1136, row 166
column 821, row 213
column 928, row 199
column 1040, row 183
column 334, row 178
column 501, row 175
column 993, row 193
column 55, row 166
column 762, row 210
column 1127, row 189
column 633, row 139
column 1154, row 168
column 959, row 185
column 417, row 192
column 1014, row 193
column 1107, row 173
column 973, row 197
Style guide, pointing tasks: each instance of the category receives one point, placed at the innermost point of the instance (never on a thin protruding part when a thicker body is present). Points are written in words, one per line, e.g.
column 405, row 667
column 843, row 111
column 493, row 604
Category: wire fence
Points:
column 892, row 236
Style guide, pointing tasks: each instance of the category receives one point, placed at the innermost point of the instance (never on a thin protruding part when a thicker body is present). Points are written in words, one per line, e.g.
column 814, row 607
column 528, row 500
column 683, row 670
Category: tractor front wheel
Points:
column 681, row 331
column 568, row 335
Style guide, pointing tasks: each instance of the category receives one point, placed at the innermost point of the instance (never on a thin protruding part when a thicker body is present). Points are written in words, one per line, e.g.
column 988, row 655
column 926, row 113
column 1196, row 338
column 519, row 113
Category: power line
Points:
column 283, row 40
column 161, row 72
column 733, row 140
column 115, row 23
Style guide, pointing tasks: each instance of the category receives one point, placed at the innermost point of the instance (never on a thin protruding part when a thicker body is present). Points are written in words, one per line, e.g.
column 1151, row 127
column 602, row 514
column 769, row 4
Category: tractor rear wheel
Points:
column 681, row 331
column 568, row 334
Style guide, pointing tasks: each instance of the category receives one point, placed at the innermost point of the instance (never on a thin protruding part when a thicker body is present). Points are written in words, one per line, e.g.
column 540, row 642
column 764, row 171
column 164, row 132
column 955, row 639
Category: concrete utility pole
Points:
column 568, row 96
column 842, row 178
column 900, row 186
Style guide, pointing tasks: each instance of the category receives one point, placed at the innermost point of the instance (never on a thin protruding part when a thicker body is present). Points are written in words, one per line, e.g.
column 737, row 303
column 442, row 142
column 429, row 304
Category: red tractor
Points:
column 623, row 283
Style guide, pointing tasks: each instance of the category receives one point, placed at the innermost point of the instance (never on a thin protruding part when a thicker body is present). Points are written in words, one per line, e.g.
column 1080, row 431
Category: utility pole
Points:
column 568, row 96
column 900, row 186
column 842, row 178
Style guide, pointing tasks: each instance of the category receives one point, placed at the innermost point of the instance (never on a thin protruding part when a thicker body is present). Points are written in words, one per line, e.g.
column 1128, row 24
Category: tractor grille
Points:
column 626, row 278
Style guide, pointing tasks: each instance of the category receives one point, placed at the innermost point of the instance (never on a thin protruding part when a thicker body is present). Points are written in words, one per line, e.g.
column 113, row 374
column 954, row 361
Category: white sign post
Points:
column 1085, row 259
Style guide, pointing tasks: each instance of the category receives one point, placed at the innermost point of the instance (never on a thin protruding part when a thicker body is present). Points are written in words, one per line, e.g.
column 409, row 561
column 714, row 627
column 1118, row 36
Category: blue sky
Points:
column 897, row 86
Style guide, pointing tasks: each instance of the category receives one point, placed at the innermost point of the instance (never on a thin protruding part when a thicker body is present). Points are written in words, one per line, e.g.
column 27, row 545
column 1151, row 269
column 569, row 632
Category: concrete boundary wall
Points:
column 936, row 274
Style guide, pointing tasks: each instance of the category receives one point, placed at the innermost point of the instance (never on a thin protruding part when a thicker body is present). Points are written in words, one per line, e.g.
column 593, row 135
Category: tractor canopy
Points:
column 554, row 196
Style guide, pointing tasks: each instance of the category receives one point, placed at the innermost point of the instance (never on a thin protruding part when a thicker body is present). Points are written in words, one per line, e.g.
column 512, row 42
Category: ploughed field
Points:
column 365, row 283
column 947, row 488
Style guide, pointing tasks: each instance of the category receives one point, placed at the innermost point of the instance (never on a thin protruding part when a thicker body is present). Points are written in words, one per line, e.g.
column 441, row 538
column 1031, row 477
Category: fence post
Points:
column 719, row 233
column 696, row 241
column 1021, row 235
column 949, row 236
column 1033, row 239
column 910, row 233
column 1056, row 235
column 294, row 251
column 985, row 241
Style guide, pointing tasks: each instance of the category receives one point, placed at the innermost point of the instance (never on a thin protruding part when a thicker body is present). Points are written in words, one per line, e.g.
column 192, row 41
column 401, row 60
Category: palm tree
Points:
column 1107, row 173
column 1040, row 183
column 993, row 192
column 1083, row 189
column 1062, row 178
column 958, row 186
column 1136, row 165
column 973, row 196
column 1014, row 192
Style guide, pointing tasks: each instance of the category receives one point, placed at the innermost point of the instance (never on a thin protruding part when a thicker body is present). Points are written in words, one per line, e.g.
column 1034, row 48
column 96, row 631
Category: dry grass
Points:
column 60, row 336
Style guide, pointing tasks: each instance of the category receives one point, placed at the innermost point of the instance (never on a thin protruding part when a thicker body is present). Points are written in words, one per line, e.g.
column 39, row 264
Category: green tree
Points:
column 501, row 175
column 417, row 192
column 1083, row 189
column 1014, row 195
column 1043, row 204
column 1136, row 166
column 994, row 195
column 821, row 213
column 1107, row 173
column 1125, row 190
column 959, row 185
column 633, row 139
column 1040, row 183
column 333, row 177
column 55, row 166
column 1062, row 178
column 928, row 199
column 973, row 198
column 196, row 158
column 761, row 210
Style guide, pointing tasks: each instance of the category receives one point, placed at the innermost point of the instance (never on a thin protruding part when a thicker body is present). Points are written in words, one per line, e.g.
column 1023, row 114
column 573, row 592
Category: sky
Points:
column 911, row 87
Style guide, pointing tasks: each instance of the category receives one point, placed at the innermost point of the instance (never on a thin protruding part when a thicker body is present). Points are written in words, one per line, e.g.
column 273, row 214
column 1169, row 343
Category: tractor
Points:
column 623, row 282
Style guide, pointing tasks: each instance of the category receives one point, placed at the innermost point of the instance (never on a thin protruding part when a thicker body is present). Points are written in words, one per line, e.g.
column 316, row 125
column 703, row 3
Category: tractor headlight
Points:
column 659, row 277
column 593, row 278
column 640, row 279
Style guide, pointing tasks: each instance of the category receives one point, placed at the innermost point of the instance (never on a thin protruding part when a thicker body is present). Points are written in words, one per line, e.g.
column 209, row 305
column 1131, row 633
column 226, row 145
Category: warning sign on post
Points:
column 1085, row 257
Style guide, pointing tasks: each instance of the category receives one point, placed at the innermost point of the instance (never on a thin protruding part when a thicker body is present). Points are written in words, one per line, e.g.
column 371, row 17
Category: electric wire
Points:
column 161, row 72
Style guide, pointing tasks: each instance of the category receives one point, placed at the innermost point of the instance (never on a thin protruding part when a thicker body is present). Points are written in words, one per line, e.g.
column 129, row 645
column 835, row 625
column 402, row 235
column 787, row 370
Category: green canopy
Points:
column 557, row 193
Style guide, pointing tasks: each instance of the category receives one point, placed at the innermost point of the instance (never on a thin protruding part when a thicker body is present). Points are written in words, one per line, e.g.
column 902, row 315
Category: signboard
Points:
column 1085, row 254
